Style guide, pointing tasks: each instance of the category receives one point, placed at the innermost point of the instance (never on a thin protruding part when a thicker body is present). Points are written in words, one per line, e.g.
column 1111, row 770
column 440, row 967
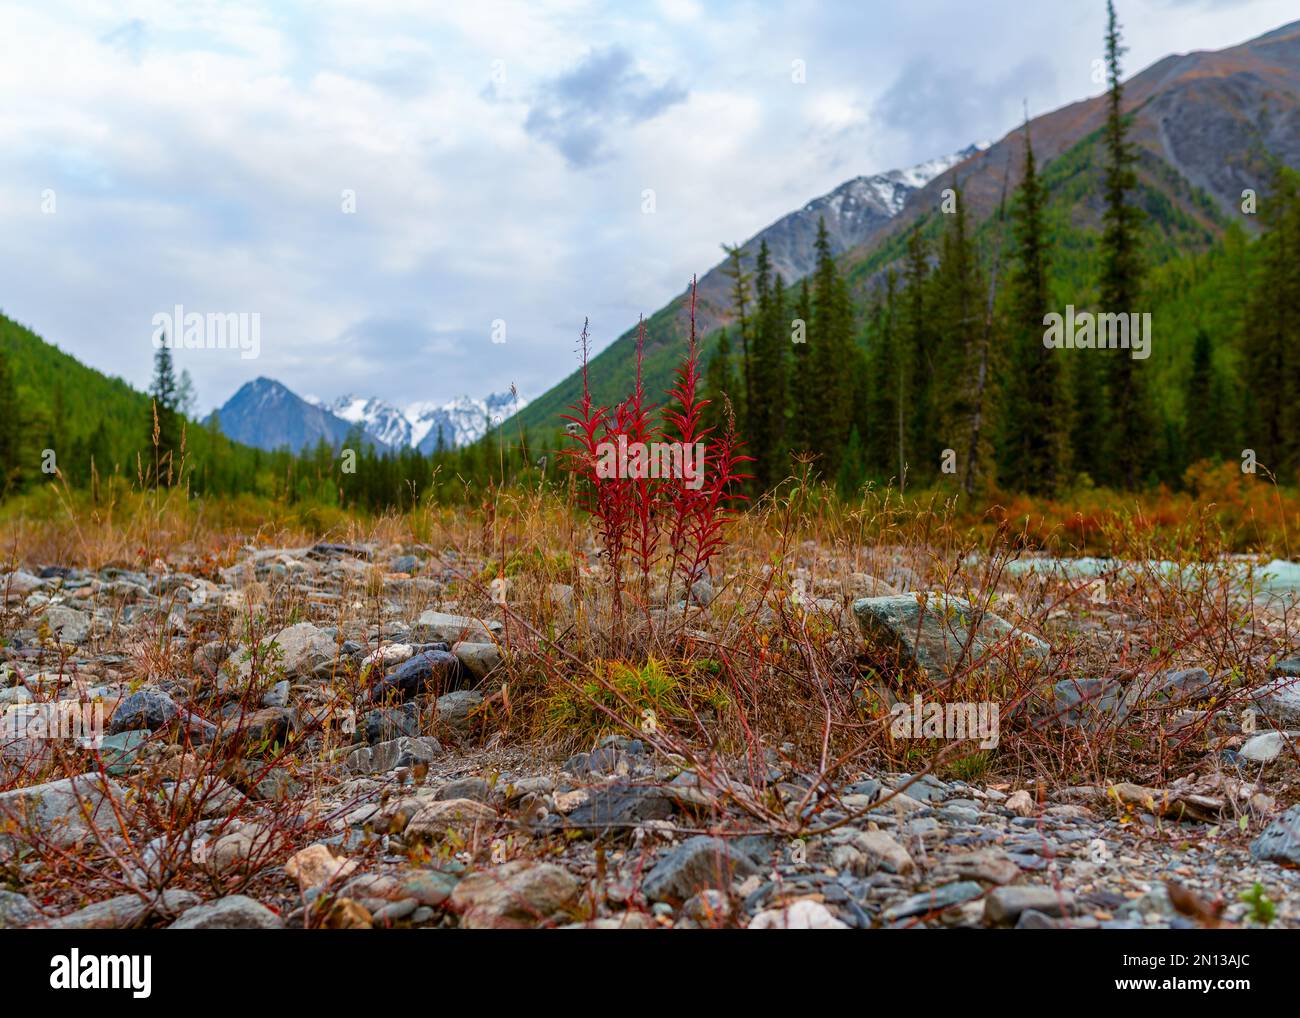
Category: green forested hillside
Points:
column 101, row 433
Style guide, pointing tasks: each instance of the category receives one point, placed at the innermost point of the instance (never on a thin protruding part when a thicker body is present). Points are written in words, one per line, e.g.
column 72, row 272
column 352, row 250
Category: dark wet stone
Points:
column 388, row 723
column 145, row 708
column 429, row 671
column 698, row 863
column 620, row 805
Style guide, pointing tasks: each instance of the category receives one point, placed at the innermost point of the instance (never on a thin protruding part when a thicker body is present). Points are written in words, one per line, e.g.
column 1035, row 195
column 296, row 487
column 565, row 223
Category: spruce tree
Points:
column 921, row 446
column 740, row 296
column 802, row 386
column 830, row 408
column 766, row 434
column 164, row 435
column 1033, row 440
column 771, row 386
column 1128, row 426
column 1201, row 438
column 886, row 398
column 721, row 387
column 1271, row 340
column 959, row 314
column 186, row 399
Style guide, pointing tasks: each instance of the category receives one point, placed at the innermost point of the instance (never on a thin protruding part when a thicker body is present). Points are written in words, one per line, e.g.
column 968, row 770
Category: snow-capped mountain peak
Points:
column 891, row 189
column 381, row 420
column 459, row 421
column 425, row 424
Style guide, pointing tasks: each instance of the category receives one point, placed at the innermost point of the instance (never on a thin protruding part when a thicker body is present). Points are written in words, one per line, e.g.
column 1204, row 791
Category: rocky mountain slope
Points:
column 1209, row 124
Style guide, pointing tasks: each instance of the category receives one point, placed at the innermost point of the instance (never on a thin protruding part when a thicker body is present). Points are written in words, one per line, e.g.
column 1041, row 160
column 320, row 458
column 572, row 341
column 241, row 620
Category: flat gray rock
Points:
column 59, row 811
column 939, row 633
column 17, row 913
column 125, row 911
column 698, row 864
column 1280, row 840
column 434, row 625
column 235, row 912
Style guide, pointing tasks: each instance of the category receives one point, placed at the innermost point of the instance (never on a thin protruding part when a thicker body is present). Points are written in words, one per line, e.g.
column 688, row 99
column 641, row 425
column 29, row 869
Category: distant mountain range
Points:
column 266, row 414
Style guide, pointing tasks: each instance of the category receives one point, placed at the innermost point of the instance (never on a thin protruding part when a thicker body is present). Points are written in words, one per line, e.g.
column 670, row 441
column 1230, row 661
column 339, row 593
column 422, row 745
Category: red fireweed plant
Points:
column 637, row 507
column 698, row 512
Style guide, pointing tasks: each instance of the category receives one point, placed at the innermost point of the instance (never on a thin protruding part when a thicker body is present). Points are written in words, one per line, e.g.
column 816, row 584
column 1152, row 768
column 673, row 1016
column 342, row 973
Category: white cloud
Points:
column 199, row 153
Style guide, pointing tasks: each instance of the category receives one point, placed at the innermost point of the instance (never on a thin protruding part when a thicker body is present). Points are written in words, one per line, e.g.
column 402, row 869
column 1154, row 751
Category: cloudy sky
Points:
column 498, row 154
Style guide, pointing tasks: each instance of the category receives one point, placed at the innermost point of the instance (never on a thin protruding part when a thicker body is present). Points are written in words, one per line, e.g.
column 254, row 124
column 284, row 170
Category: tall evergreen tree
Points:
column 831, row 341
column 1271, row 340
column 802, row 387
column 959, row 314
column 886, row 399
column 1201, row 419
column 762, row 434
column 1033, row 439
column 1129, row 419
column 164, row 435
column 768, row 441
column 921, row 446
column 186, row 399
column 740, row 297
column 721, row 386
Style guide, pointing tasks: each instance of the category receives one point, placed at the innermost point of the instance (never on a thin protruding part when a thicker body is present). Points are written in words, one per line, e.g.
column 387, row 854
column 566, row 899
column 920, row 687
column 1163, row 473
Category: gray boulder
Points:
column 234, row 912
column 515, row 894
column 434, row 625
column 455, row 710
column 697, row 864
column 125, row 911
column 299, row 651
column 1279, row 700
column 939, row 633
column 479, row 658
column 58, row 811
column 386, row 756
column 146, row 708
column 68, row 624
column 17, row 913
column 1280, row 840
column 1091, row 704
